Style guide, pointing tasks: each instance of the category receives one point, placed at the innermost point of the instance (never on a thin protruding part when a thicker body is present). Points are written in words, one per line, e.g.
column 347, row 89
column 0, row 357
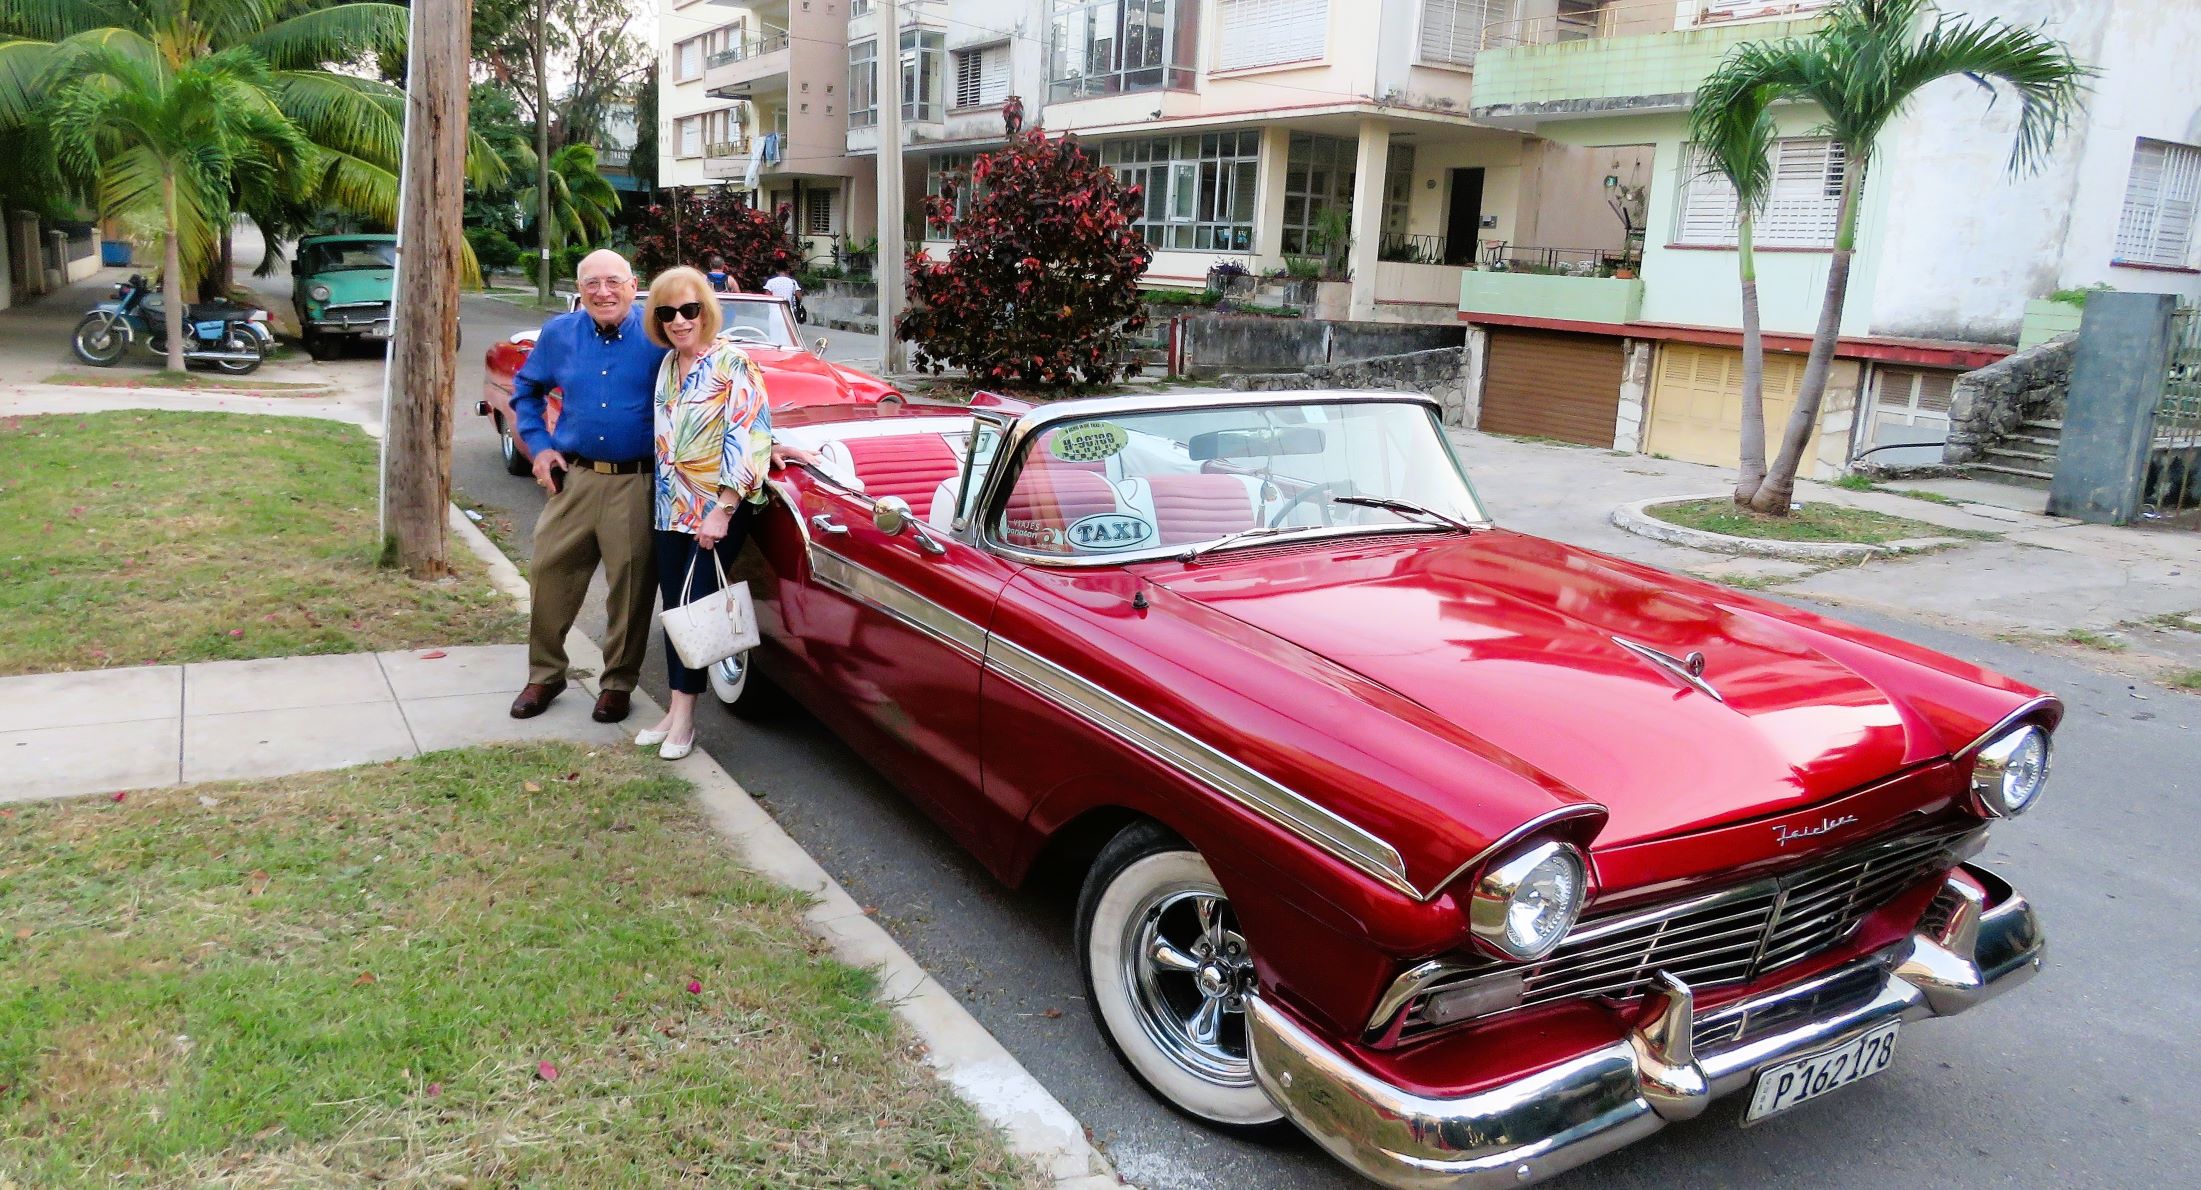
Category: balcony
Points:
column 727, row 159
column 1567, row 284
column 755, row 65
column 1538, row 72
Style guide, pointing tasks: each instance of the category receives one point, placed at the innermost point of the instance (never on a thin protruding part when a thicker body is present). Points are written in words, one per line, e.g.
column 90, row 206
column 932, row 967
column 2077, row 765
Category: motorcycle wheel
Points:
column 240, row 341
column 97, row 342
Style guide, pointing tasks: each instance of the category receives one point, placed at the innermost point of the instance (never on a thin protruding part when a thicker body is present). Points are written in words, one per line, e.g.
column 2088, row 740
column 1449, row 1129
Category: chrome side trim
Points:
column 1517, row 834
column 877, row 591
column 2033, row 706
column 1672, row 666
column 1204, row 762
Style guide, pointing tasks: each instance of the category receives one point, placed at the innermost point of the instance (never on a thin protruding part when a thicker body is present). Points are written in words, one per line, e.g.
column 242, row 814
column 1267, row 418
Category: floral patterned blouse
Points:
column 713, row 431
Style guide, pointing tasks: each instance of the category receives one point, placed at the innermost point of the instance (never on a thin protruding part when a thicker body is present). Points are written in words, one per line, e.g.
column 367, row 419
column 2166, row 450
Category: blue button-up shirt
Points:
column 608, row 377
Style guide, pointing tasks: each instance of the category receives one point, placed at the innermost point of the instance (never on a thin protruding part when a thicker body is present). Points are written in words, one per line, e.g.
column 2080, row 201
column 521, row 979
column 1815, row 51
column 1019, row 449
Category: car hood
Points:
column 354, row 285
column 797, row 378
column 1517, row 644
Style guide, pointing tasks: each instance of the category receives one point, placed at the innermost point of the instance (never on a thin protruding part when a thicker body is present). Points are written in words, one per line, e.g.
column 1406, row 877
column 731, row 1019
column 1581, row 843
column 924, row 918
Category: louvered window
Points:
column 1801, row 211
column 981, row 76
column 1454, row 31
column 1269, row 32
column 818, row 213
column 2160, row 201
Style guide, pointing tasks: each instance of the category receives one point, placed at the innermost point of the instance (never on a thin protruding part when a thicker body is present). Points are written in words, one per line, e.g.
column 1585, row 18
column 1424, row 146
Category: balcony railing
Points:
column 1500, row 256
column 754, row 48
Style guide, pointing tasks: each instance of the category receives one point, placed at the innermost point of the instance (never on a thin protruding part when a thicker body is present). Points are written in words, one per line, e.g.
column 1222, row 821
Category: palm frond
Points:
column 52, row 20
column 2049, row 83
column 25, row 67
column 335, row 33
column 357, row 117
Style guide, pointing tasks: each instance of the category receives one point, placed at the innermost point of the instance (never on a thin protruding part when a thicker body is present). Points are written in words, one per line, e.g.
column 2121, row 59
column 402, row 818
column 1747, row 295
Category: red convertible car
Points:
column 761, row 323
column 1471, row 854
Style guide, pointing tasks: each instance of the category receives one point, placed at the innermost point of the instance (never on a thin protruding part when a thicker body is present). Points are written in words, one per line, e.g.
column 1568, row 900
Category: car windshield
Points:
column 760, row 321
column 1190, row 480
column 350, row 254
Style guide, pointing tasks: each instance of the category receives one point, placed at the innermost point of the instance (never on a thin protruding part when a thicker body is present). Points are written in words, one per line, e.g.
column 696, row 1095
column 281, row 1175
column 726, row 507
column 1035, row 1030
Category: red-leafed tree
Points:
column 700, row 224
column 1042, row 285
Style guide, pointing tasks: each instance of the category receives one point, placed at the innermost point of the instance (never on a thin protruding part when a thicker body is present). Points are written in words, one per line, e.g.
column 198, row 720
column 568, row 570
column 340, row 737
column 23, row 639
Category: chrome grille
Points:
column 1729, row 936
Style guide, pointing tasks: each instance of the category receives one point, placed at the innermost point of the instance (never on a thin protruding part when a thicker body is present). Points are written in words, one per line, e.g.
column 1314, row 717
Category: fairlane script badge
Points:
column 1110, row 531
column 1827, row 826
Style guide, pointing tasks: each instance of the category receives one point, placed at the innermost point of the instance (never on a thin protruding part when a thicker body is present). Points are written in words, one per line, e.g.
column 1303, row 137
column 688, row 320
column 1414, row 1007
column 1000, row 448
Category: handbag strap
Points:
column 687, row 583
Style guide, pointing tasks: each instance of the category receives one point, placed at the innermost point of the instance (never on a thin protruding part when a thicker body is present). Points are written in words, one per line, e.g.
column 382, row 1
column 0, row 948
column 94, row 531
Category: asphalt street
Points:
column 2082, row 1078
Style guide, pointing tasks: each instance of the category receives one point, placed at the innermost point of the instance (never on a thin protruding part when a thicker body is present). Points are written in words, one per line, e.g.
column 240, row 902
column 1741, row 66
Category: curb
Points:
column 1634, row 517
column 981, row 1071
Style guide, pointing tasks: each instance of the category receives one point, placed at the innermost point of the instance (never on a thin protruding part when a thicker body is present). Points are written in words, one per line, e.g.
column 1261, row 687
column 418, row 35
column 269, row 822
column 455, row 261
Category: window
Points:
column 1198, row 189
column 719, row 131
column 2160, row 200
column 1107, row 47
column 697, row 54
column 863, row 84
column 691, row 136
column 921, row 73
column 941, row 168
column 1267, row 32
column 1801, row 211
column 1728, row 10
column 817, row 213
column 1454, row 31
column 1318, row 176
column 859, row 8
column 982, row 76
column 1398, row 192
column 688, row 59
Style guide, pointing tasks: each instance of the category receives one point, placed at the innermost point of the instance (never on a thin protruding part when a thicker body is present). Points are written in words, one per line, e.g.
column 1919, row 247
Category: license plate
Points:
column 380, row 330
column 1790, row 1083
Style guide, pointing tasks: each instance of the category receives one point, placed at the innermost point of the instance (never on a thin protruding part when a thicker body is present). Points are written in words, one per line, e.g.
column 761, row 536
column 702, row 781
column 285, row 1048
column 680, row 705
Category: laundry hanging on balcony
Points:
column 766, row 153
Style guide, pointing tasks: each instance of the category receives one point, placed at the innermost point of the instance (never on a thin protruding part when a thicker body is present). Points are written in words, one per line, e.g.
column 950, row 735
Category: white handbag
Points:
column 707, row 631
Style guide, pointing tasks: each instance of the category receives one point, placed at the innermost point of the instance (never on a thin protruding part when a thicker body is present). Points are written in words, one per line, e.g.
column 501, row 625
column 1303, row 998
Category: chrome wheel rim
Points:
column 727, row 677
column 1189, row 970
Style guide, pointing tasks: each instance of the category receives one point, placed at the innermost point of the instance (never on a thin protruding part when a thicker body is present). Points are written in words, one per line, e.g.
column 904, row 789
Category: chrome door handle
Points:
column 824, row 523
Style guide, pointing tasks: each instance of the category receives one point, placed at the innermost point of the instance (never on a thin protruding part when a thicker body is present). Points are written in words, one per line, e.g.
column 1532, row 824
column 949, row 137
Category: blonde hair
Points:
column 675, row 287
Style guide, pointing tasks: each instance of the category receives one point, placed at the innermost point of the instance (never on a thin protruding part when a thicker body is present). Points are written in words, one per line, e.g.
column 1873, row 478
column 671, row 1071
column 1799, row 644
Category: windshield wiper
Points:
column 1243, row 534
column 1406, row 508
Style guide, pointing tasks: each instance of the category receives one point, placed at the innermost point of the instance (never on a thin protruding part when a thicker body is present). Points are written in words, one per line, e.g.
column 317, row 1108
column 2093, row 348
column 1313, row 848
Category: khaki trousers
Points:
column 598, row 518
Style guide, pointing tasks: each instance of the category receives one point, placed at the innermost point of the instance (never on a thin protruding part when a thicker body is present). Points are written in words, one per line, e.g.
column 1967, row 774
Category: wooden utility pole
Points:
column 544, row 233
column 893, row 278
column 420, row 384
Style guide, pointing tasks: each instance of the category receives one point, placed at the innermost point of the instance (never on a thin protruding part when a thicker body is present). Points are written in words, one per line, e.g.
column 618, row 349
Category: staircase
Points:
column 2026, row 458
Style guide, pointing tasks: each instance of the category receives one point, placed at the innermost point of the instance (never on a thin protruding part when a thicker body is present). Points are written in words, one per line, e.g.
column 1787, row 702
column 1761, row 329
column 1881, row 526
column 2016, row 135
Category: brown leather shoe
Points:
column 611, row 706
column 535, row 698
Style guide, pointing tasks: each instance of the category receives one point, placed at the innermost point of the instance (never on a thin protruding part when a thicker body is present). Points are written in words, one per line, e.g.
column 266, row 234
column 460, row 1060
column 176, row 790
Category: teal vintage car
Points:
column 340, row 285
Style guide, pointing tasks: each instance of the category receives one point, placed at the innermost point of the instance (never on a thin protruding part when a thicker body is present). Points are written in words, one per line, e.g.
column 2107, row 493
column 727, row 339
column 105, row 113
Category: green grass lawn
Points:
column 512, row 967
column 1814, row 521
column 142, row 537
column 191, row 380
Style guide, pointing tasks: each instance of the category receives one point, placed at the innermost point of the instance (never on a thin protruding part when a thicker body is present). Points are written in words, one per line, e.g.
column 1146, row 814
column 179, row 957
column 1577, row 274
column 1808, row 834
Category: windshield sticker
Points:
column 1110, row 531
column 1090, row 442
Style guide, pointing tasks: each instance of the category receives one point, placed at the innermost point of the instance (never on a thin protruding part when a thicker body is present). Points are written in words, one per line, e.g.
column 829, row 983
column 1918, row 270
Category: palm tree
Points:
column 164, row 146
column 1862, row 68
column 581, row 201
column 1734, row 141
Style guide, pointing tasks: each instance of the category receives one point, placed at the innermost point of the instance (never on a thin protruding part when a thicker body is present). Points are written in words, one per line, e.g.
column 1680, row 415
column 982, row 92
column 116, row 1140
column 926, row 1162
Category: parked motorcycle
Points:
column 232, row 337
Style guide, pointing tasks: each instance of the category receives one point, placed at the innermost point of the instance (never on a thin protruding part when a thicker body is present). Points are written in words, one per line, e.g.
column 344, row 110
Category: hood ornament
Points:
column 1687, row 671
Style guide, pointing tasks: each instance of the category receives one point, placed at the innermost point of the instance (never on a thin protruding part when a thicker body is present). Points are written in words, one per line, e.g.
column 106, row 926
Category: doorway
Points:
column 1463, row 220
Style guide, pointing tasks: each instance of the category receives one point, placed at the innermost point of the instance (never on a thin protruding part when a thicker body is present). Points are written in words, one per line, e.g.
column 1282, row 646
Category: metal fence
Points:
column 2173, row 486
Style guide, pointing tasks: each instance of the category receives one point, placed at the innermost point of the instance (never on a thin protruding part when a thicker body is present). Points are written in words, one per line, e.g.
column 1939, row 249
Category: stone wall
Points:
column 1441, row 373
column 1989, row 404
column 1220, row 344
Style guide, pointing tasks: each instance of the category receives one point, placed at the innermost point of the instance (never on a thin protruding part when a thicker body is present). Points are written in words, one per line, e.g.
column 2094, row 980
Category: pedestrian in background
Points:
column 597, row 465
column 784, row 287
column 720, row 281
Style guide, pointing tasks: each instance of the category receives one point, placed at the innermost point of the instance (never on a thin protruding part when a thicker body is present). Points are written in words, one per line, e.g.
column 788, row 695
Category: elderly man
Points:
column 599, row 465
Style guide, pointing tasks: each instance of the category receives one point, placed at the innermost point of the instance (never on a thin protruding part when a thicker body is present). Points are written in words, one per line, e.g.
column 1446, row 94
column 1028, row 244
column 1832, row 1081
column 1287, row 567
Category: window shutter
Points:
column 1802, row 209
column 1455, row 30
column 1708, row 212
column 818, row 214
column 1267, row 32
column 691, row 59
column 2161, row 198
column 981, row 76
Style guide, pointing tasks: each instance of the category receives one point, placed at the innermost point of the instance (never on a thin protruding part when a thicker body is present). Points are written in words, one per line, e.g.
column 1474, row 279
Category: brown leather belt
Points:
column 599, row 466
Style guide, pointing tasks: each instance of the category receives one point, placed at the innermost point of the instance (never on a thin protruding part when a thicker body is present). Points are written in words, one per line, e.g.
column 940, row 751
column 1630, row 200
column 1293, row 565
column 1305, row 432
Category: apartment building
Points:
column 1951, row 248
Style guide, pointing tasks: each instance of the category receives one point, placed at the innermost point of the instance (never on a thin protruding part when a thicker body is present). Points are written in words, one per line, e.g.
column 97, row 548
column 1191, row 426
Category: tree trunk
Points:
column 1775, row 494
column 172, row 295
column 1752, row 474
column 423, row 369
column 544, row 232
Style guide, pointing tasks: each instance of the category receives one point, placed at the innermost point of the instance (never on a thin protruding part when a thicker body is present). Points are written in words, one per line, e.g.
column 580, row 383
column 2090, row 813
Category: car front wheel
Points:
column 1167, row 970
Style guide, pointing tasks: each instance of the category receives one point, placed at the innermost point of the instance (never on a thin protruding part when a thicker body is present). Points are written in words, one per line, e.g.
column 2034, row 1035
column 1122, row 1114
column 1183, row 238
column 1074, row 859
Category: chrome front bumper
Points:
column 1582, row 1109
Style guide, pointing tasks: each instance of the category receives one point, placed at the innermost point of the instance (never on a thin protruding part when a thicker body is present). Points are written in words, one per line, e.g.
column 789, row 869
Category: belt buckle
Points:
column 603, row 468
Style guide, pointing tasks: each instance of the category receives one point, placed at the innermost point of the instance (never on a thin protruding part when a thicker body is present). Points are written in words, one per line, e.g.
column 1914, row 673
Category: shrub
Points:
column 492, row 248
column 564, row 262
column 1179, row 297
column 700, row 224
column 1041, row 285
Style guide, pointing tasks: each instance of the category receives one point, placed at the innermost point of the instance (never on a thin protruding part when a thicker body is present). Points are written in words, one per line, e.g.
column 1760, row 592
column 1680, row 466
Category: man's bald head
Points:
column 606, row 282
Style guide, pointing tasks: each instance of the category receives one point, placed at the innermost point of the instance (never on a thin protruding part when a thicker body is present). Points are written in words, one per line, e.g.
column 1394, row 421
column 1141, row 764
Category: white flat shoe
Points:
column 649, row 737
column 675, row 749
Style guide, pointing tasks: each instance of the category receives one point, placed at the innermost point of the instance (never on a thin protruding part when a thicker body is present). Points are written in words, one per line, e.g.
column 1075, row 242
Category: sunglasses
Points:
column 688, row 310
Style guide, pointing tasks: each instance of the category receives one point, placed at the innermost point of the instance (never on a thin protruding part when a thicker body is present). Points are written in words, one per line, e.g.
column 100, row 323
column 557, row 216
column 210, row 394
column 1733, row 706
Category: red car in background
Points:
column 764, row 326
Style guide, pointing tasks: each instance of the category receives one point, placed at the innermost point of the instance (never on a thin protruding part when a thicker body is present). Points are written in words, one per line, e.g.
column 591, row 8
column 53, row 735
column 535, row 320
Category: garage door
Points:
column 1696, row 403
column 1548, row 385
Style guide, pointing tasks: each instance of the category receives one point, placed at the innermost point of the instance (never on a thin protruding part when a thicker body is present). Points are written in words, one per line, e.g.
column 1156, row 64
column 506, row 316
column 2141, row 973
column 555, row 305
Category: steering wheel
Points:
column 1341, row 487
column 748, row 334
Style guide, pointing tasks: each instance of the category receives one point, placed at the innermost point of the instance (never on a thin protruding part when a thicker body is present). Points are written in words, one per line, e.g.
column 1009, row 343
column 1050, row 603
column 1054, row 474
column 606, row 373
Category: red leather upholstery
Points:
column 911, row 468
column 1197, row 507
column 1048, row 499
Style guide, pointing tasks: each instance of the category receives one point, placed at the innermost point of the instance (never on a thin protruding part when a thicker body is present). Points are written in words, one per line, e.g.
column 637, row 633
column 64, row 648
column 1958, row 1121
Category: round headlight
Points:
column 319, row 293
column 2008, row 773
column 1522, row 908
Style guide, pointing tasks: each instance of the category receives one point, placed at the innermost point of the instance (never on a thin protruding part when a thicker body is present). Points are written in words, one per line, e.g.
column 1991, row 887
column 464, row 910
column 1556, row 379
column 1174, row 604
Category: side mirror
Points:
column 890, row 515
column 818, row 348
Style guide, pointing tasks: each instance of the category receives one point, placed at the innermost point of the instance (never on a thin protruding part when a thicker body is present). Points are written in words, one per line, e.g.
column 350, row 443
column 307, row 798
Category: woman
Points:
column 714, row 443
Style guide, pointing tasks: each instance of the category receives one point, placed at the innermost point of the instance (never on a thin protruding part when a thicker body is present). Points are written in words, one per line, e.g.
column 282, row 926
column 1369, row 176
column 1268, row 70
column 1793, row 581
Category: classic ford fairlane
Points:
column 1473, row 855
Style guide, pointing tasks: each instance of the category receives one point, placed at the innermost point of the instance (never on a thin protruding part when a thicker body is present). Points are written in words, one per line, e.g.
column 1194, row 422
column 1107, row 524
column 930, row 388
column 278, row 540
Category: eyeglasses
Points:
column 688, row 310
